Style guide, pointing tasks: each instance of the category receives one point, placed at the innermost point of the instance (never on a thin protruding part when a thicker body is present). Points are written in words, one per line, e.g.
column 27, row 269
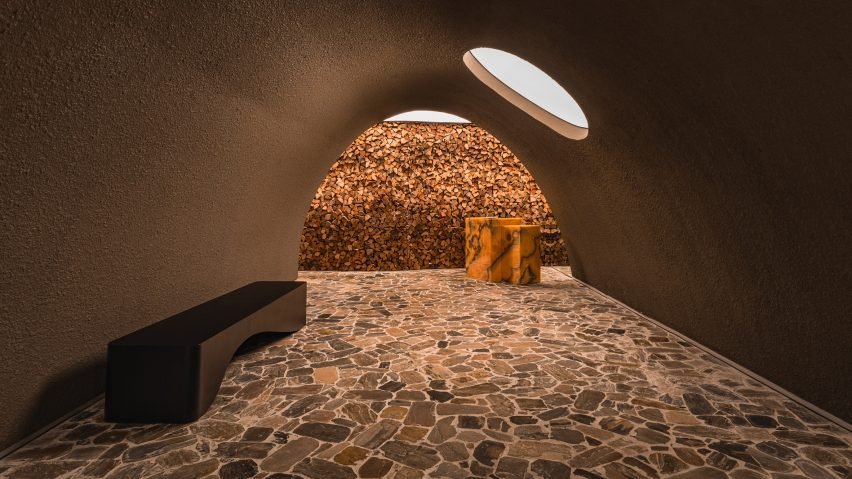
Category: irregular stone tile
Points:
column 588, row 400
column 193, row 471
column 323, row 432
column 114, row 451
column 442, row 431
column 553, row 413
column 99, row 468
column 216, row 430
column 453, row 451
column 43, row 470
column 256, row 434
column 689, row 456
column 375, row 435
column 153, row 449
column 758, row 420
column 568, row 435
column 650, row 436
column 85, row 431
column 616, row 425
column 668, row 464
column 810, row 438
column 131, row 471
column 110, row 437
column 411, row 433
column 375, row 467
column 439, row 396
column 359, row 413
column 747, row 474
column 550, row 469
column 326, row 375
column 595, row 457
column 421, row 413
column 470, row 435
column 812, row 470
column 351, row 455
column 406, row 472
column 615, row 470
column 803, row 413
column 769, row 463
column 369, row 395
column 252, row 390
column 487, row 452
column 734, row 449
column 501, row 405
column 706, row 432
column 394, row 412
column 305, row 405
column 471, row 422
column 512, row 468
column 476, row 390
column 322, row 469
column 283, row 459
column 498, row 424
column 698, row 404
column 450, row 409
column 701, row 473
column 418, row 457
column 83, row 453
column 820, row 455
column 780, row 451
column 522, row 420
column 530, row 432
column 242, row 469
column 449, row 471
column 721, row 461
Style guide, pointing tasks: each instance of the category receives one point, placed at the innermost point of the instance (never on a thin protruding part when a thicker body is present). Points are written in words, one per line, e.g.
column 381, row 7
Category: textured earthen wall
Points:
column 155, row 154
column 397, row 198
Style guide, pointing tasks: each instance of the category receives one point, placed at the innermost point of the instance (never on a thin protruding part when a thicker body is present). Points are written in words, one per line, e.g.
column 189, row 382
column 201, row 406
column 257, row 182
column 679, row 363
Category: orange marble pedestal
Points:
column 523, row 263
column 502, row 249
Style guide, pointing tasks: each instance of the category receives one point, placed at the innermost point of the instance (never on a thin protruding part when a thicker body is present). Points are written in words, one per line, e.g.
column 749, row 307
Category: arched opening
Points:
column 398, row 196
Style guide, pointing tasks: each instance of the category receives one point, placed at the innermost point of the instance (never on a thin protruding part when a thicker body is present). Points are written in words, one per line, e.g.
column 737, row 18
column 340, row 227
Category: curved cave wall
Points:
column 397, row 197
column 155, row 155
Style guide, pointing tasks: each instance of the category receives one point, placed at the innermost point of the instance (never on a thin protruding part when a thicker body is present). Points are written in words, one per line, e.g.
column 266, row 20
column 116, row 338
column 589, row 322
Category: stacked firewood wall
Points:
column 396, row 199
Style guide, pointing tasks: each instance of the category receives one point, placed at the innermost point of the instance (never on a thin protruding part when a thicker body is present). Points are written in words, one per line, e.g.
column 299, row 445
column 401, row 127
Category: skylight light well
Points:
column 427, row 116
column 530, row 89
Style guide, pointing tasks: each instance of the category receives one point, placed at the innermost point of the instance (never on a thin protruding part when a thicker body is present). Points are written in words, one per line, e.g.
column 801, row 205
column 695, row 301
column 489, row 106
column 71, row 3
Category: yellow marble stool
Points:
column 502, row 249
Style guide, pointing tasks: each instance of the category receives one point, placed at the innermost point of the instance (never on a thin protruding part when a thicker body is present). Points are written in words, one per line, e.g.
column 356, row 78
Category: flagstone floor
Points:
column 428, row 374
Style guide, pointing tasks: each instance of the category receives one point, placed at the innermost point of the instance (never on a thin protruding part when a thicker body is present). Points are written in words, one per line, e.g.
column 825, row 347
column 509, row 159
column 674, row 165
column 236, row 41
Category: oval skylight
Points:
column 428, row 116
column 530, row 89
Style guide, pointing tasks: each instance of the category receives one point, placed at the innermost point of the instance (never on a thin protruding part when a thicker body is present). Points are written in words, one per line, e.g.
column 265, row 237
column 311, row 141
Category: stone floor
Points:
column 428, row 374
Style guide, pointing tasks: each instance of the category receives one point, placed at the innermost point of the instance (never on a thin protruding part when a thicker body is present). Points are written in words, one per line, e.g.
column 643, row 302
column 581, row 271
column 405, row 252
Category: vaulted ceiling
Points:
column 157, row 154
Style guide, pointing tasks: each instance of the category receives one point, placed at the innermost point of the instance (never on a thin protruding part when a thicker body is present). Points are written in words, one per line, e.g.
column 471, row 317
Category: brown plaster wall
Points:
column 156, row 154
column 397, row 197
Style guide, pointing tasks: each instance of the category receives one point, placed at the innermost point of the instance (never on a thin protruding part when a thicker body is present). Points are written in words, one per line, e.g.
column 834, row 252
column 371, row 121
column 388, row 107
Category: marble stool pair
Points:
column 502, row 249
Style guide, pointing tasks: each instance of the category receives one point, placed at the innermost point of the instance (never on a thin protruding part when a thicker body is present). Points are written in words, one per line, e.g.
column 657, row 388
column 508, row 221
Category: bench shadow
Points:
column 61, row 397
column 258, row 342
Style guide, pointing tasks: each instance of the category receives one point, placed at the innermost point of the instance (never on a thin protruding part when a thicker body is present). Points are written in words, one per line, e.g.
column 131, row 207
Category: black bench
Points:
column 171, row 371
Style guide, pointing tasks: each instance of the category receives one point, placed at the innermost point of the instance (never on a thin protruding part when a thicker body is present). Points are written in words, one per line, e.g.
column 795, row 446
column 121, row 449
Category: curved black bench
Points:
column 171, row 370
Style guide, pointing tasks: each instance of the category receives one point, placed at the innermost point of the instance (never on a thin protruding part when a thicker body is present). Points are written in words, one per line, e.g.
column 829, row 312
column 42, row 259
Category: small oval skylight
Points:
column 428, row 116
column 530, row 89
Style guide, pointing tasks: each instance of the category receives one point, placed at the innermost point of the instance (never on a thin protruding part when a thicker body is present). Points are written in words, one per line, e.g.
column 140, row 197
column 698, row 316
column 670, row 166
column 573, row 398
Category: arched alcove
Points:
column 396, row 198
